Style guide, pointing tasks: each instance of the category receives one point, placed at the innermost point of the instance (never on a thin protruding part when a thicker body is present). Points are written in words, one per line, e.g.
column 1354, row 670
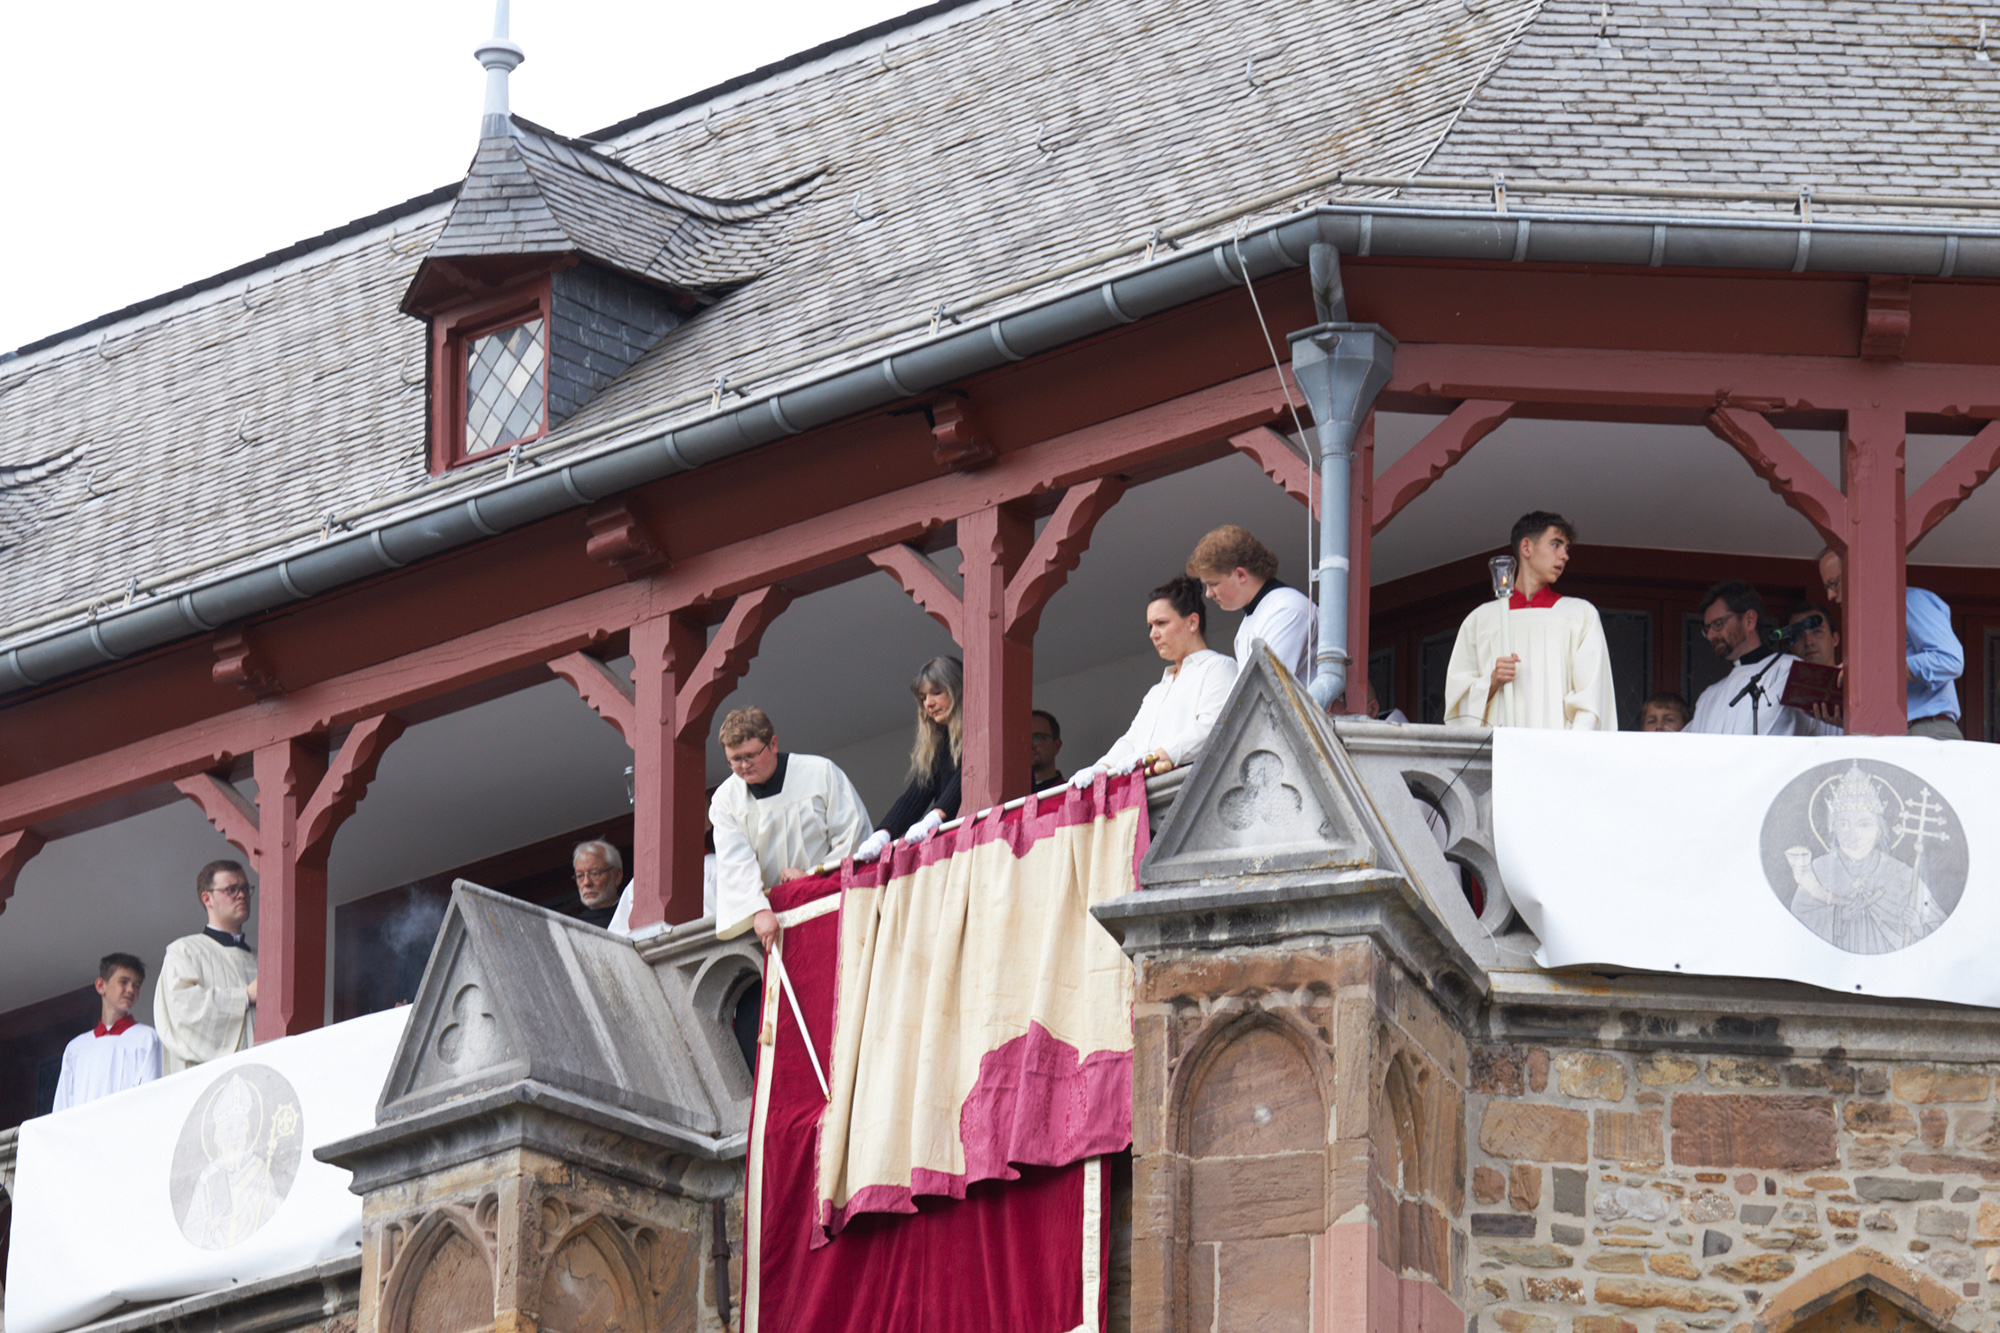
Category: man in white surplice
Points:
column 1550, row 648
column 1732, row 616
column 205, row 1002
column 1177, row 714
column 776, row 817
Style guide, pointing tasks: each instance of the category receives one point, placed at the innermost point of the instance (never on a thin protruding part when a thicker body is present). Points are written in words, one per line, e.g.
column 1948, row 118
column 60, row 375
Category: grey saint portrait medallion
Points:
column 237, row 1157
column 1865, row 855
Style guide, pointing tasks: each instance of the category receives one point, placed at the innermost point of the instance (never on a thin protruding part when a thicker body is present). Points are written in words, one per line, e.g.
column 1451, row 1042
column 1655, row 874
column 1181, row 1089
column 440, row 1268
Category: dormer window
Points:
column 506, row 387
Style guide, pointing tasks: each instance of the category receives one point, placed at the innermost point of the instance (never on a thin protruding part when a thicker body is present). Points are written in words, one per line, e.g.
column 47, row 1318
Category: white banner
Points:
column 1844, row 863
column 195, row 1182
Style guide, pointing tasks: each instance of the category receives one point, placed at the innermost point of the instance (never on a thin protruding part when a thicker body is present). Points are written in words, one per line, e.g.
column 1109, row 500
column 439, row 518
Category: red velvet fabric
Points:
column 1007, row 1256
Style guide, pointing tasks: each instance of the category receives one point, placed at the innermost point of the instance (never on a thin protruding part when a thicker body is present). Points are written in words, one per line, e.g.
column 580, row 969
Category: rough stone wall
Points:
column 1297, row 1137
column 1620, row 1192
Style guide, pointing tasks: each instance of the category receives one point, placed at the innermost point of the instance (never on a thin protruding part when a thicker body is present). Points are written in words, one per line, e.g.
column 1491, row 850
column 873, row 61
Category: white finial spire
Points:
column 500, row 57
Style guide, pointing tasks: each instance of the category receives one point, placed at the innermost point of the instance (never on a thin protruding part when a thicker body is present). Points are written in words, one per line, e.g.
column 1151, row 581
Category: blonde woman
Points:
column 932, row 796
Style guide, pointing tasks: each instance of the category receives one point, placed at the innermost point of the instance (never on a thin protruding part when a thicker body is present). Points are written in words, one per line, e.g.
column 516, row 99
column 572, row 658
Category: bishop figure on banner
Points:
column 1534, row 659
column 1858, row 897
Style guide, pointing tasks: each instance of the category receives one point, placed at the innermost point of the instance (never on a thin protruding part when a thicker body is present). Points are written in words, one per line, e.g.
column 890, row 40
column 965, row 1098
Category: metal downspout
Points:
column 1340, row 367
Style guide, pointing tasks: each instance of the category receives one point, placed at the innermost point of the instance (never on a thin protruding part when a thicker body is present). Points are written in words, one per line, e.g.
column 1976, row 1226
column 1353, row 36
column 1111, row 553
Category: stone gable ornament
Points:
column 1272, row 793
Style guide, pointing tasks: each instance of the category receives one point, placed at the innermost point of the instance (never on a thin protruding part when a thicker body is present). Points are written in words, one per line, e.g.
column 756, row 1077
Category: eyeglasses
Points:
column 233, row 890
column 745, row 761
column 593, row 876
column 1711, row 628
column 1040, row 736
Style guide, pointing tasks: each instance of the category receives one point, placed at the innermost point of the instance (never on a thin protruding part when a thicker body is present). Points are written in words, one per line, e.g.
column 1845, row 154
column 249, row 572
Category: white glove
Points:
column 1083, row 780
column 874, row 846
column 921, row 830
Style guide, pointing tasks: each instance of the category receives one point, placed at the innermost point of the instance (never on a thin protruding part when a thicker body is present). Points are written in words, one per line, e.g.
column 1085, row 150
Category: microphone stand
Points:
column 1754, row 687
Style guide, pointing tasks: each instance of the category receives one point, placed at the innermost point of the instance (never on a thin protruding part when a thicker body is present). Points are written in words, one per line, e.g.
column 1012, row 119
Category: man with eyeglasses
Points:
column 1933, row 658
column 776, row 817
column 600, row 872
column 205, row 1002
column 1733, row 618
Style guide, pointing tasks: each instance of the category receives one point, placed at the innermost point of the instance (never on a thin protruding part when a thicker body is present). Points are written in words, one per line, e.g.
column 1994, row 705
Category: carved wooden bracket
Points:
column 334, row 796
column 1448, row 441
column 728, row 655
column 1787, row 471
column 1886, row 326
column 1058, row 551
column 929, row 586
column 600, row 687
column 238, row 663
column 16, row 850
column 621, row 539
column 959, row 444
column 1948, row 487
column 1280, row 461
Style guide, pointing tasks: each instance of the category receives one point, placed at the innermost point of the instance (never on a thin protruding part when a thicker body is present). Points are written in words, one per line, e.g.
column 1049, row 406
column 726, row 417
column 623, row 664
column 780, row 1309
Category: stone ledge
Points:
column 321, row 1291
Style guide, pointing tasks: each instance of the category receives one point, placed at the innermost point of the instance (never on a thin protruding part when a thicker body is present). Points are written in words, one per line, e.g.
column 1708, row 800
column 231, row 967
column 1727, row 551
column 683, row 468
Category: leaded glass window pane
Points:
column 504, row 397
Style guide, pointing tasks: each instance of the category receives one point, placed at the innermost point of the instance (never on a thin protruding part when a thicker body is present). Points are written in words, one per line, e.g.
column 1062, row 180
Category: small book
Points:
column 1809, row 684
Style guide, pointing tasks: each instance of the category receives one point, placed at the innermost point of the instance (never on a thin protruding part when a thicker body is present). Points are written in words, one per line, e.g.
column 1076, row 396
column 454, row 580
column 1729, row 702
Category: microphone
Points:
column 1781, row 637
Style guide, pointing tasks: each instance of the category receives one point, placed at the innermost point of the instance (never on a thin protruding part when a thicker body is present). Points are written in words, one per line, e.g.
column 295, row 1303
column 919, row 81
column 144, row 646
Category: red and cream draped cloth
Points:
column 974, row 1023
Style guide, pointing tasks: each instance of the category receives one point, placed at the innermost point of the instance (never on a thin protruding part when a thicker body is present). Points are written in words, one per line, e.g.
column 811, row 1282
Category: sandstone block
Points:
column 1880, row 1220
column 1832, row 1077
column 1976, row 1131
column 1673, row 1265
column 1754, row 1268
column 1529, row 1256
column 1565, row 1235
column 1515, row 1321
column 1534, row 1133
column 1845, row 1219
column 1616, row 1263
column 1622, row 1201
column 1488, row 1185
column 1758, row 1214
column 1601, row 1323
column 1491, row 1286
column 1643, row 1294
column 1745, row 1183
column 1590, row 1075
column 1516, row 1225
column 1708, row 1206
column 1570, row 1187
column 1629, row 1136
column 1726, row 1072
column 1538, row 1069
column 1238, row 1198
column 1879, row 1118
column 1524, row 1188
column 1940, row 1083
column 1939, row 1164
column 1931, row 1126
column 1783, row 1130
column 1952, row 1265
column 1933, row 1220
column 1264, row 1284
column 1660, row 1069
column 1989, row 1221
column 1825, row 1183
column 1498, row 1071
column 1565, row 1290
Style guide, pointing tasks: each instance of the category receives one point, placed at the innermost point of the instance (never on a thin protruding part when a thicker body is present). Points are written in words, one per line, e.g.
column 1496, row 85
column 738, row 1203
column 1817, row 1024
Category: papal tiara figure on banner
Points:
column 1861, row 883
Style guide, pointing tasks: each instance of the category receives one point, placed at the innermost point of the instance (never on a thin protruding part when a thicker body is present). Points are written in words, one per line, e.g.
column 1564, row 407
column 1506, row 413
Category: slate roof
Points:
column 975, row 145
column 535, row 192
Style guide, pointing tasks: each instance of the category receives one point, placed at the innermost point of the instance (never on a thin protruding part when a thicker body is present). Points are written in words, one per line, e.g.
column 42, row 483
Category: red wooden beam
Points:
column 600, row 687
column 918, row 576
column 291, row 892
column 347, row 780
column 1948, row 487
column 1056, row 553
column 668, row 772
column 16, row 850
column 226, row 808
column 1140, row 437
column 1787, row 471
column 1873, row 619
column 708, row 681
column 1447, row 442
column 1281, row 463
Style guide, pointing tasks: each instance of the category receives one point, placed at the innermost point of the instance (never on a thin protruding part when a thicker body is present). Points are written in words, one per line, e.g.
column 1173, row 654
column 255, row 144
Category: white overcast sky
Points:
column 153, row 143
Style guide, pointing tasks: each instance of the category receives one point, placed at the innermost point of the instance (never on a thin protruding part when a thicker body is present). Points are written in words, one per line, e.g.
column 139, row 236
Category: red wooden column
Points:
column 999, row 665
column 679, row 676
column 1872, row 571
column 302, row 800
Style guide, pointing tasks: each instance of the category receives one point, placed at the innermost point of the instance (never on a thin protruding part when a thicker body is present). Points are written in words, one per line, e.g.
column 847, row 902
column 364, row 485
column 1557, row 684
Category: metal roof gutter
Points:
column 652, row 452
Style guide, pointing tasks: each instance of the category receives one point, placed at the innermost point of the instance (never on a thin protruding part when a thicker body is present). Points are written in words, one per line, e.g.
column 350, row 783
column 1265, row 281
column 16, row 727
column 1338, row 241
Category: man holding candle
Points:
column 1536, row 659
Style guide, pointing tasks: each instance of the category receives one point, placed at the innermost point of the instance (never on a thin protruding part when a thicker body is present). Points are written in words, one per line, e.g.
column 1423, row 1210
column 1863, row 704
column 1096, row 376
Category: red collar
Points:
column 102, row 1031
column 1547, row 597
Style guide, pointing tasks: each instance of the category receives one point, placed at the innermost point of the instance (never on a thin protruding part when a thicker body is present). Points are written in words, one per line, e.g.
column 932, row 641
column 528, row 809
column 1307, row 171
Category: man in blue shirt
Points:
column 1934, row 658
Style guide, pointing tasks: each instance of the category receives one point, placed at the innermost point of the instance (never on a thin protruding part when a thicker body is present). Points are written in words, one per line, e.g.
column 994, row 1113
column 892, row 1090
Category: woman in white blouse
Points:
column 1176, row 715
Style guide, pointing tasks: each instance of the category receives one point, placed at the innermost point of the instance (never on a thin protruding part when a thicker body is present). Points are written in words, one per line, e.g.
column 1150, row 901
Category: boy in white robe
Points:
column 776, row 817
column 118, row 1053
column 205, row 1003
column 1240, row 573
column 1550, row 648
